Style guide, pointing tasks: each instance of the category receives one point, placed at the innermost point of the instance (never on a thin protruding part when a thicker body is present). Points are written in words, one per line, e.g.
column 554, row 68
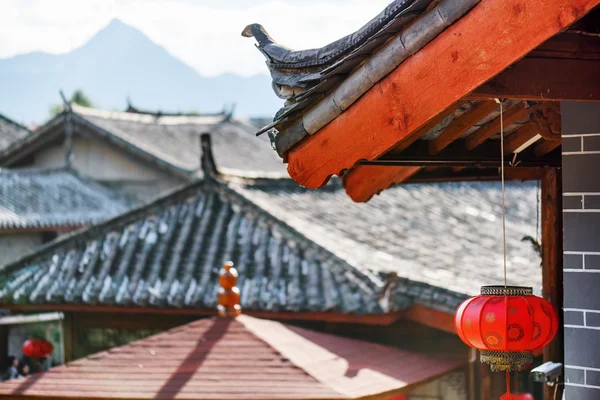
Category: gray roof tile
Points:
column 446, row 236
column 58, row 198
column 176, row 140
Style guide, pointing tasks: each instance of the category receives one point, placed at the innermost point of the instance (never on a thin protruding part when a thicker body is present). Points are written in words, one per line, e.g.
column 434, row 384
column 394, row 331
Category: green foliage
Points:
column 81, row 99
column 78, row 98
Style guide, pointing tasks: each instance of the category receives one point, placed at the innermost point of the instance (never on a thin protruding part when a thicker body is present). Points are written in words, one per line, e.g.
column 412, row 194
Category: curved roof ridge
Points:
column 159, row 119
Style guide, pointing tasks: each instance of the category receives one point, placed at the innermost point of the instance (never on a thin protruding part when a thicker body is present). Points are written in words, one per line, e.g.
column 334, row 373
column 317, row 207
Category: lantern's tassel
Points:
column 508, row 395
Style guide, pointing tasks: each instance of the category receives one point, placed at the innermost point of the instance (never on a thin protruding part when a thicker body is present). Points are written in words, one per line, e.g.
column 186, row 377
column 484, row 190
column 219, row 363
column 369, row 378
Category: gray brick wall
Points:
column 581, row 218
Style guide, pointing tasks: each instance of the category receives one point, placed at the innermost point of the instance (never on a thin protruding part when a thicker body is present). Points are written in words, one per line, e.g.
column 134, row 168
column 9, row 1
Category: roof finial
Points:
column 69, row 156
column 229, row 294
column 207, row 160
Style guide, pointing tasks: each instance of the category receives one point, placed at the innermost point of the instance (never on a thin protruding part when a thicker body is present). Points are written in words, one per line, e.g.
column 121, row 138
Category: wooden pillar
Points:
column 552, row 262
column 485, row 382
column 68, row 333
column 4, row 330
column 470, row 380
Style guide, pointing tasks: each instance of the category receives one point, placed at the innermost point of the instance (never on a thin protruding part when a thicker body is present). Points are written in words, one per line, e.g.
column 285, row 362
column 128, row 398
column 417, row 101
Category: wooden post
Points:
column 4, row 345
column 68, row 337
column 552, row 262
column 485, row 382
column 470, row 374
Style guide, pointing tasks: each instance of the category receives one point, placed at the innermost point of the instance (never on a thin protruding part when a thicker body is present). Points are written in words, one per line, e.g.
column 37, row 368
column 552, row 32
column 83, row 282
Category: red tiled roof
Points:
column 244, row 358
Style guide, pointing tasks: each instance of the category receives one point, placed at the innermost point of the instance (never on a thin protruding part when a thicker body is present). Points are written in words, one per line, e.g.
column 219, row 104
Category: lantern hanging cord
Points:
column 502, row 179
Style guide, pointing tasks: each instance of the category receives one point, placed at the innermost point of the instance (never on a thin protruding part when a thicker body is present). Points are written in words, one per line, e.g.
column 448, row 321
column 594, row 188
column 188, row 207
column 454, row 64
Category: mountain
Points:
column 120, row 61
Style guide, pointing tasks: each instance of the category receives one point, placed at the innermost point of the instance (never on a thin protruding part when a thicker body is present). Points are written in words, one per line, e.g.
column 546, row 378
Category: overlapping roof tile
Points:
column 54, row 199
column 168, row 253
column 442, row 240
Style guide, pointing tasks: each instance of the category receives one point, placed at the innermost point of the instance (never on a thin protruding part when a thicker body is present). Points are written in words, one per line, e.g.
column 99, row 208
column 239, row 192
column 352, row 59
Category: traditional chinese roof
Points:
column 303, row 77
column 443, row 240
column 171, row 142
column 297, row 250
column 167, row 254
column 416, row 86
column 10, row 132
column 244, row 358
column 38, row 199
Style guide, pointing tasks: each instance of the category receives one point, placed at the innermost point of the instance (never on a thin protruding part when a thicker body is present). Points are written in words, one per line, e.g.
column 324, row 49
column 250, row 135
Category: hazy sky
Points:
column 203, row 33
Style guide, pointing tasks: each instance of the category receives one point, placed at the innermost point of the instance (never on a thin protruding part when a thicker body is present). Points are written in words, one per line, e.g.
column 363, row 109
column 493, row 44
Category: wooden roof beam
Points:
column 545, row 79
column 476, row 174
column 455, row 155
column 570, row 44
column 488, row 39
column 363, row 181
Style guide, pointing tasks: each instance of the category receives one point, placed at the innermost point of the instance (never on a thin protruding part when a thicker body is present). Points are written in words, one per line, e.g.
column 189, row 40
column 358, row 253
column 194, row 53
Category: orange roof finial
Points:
column 229, row 294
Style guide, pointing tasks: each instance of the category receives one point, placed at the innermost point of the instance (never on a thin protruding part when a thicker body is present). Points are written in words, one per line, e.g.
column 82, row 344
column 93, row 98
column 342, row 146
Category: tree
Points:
column 78, row 98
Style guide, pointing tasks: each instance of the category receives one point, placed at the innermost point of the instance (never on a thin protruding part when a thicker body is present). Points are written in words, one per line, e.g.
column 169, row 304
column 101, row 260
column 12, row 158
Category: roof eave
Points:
column 415, row 92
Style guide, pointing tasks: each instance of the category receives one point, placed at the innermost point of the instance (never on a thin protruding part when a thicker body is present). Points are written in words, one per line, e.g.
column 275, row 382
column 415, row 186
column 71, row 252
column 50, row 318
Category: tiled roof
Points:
column 56, row 198
column 170, row 141
column 443, row 240
column 10, row 132
column 168, row 253
column 244, row 358
column 176, row 140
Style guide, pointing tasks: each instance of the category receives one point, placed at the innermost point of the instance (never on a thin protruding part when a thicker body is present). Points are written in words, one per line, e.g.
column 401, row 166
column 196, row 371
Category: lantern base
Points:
column 506, row 360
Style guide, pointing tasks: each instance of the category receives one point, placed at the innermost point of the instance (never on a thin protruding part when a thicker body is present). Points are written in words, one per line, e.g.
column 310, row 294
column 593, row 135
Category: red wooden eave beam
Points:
column 491, row 37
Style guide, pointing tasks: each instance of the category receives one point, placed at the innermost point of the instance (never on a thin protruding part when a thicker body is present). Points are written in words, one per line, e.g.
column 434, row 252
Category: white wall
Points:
column 99, row 161
column 104, row 163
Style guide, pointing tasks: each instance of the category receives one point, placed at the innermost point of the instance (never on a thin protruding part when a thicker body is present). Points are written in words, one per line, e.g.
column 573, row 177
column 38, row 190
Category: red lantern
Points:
column 506, row 324
column 517, row 396
column 37, row 348
column 523, row 396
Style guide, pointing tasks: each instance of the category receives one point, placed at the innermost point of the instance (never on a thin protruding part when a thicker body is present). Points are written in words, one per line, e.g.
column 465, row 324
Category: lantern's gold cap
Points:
column 498, row 290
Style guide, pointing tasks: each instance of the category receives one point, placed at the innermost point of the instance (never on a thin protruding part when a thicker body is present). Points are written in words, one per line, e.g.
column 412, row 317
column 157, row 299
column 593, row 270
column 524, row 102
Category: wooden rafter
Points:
column 494, row 35
column 545, row 146
column 460, row 125
column 521, row 139
column 516, row 113
column 544, row 124
column 404, row 144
